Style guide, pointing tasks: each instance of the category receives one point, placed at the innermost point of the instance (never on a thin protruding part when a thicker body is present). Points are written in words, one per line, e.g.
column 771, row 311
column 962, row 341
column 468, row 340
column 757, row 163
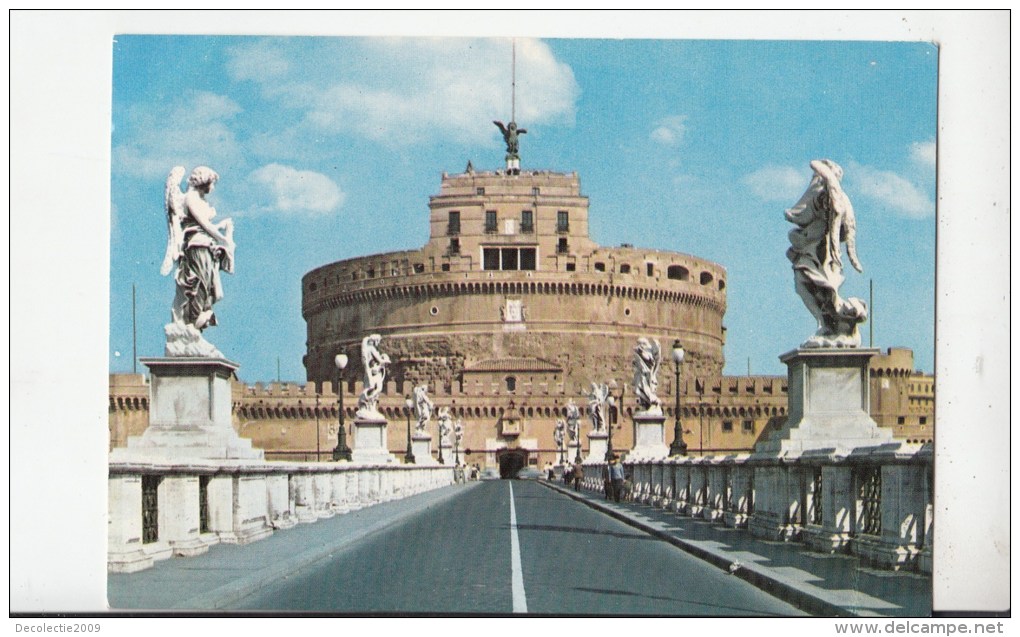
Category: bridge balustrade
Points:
column 873, row 502
column 161, row 510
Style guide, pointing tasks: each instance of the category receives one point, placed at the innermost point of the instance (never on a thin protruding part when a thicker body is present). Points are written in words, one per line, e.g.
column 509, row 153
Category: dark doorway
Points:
column 511, row 461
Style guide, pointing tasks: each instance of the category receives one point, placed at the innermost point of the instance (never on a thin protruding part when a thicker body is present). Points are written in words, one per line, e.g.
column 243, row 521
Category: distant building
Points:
column 902, row 398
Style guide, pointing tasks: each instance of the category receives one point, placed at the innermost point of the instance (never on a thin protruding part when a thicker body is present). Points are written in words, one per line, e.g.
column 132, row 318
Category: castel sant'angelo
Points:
column 508, row 313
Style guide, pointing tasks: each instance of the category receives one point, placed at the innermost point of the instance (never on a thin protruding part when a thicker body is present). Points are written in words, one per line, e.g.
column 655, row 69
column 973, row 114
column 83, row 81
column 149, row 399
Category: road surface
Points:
column 514, row 547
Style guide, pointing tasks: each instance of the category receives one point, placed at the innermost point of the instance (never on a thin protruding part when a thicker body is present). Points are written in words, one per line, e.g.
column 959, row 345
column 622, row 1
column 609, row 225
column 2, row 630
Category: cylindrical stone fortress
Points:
column 510, row 284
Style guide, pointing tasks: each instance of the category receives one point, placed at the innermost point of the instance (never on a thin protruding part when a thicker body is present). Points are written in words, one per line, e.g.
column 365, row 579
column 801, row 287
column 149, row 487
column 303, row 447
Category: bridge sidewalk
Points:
column 821, row 584
column 218, row 579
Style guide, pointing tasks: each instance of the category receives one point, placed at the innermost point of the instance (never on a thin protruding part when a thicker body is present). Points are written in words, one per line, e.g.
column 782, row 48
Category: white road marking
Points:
column 516, row 574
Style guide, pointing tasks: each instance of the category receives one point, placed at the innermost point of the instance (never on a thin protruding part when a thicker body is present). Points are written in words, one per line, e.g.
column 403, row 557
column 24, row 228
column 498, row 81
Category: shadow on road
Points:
column 574, row 529
column 719, row 608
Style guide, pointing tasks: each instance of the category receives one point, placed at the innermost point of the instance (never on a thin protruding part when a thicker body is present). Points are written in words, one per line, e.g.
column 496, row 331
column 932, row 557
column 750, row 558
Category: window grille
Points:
column 150, row 508
column 869, row 495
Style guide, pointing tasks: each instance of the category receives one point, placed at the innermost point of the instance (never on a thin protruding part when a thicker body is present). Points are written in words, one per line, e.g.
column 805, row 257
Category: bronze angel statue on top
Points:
column 199, row 248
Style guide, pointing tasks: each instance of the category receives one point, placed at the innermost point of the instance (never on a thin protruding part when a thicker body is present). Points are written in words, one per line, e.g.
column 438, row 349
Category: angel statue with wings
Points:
column 647, row 359
column 198, row 246
column 445, row 425
column 573, row 418
column 825, row 220
column 597, row 398
column 375, row 364
column 510, row 137
column 422, row 408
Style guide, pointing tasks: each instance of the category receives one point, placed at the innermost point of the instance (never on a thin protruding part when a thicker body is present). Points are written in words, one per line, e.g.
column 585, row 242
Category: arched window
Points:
column 677, row 272
column 706, row 278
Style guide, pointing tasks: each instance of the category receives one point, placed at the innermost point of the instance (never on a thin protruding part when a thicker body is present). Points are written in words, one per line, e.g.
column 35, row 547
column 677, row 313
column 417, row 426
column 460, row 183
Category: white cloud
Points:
column 923, row 153
column 298, row 191
column 259, row 61
column 670, row 130
column 889, row 189
column 193, row 130
column 778, row 183
column 426, row 89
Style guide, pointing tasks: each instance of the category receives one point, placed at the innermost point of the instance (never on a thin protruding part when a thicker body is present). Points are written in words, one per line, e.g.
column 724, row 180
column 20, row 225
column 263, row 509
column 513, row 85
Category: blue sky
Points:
column 328, row 148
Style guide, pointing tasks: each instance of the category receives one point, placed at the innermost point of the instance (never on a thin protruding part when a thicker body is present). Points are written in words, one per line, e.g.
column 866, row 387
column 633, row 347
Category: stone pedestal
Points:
column 421, row 447
column 649, row 437
column 597, row 446
column 829, row 403
column 370, row 442
column 189, row 413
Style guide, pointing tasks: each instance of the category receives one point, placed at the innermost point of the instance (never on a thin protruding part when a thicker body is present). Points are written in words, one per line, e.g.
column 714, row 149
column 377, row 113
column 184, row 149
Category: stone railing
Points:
column 873, row 502
column 158, row 510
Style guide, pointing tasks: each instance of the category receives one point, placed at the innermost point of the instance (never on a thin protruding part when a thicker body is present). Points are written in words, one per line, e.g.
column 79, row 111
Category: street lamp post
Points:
column 342, row 451
column 679, row 447
column 439, row 424
column 558, row 438
column 612, row 421
column 316, row 426
column 408, row 404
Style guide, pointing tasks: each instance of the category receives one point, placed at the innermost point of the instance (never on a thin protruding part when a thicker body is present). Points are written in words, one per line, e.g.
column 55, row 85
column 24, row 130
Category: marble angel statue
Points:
column 444, row 425
column 597, row 398
column 422, row 408
column 200, row 248
column 647, row 359
column 573, row 420
column 825, row 221
column 376, row 365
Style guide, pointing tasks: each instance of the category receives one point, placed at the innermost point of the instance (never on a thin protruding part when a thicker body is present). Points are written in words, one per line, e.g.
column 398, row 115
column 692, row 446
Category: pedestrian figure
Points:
column 578, row 475
column 616, row 474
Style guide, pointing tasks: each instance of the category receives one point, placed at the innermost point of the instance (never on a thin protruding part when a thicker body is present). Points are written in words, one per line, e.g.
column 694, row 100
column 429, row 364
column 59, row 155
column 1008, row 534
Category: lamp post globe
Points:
column 342, row 451
column 678, row 447
column 408, row 404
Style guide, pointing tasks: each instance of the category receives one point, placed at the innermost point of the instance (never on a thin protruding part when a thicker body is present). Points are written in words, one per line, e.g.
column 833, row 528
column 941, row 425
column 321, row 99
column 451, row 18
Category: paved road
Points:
column 505, row 547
